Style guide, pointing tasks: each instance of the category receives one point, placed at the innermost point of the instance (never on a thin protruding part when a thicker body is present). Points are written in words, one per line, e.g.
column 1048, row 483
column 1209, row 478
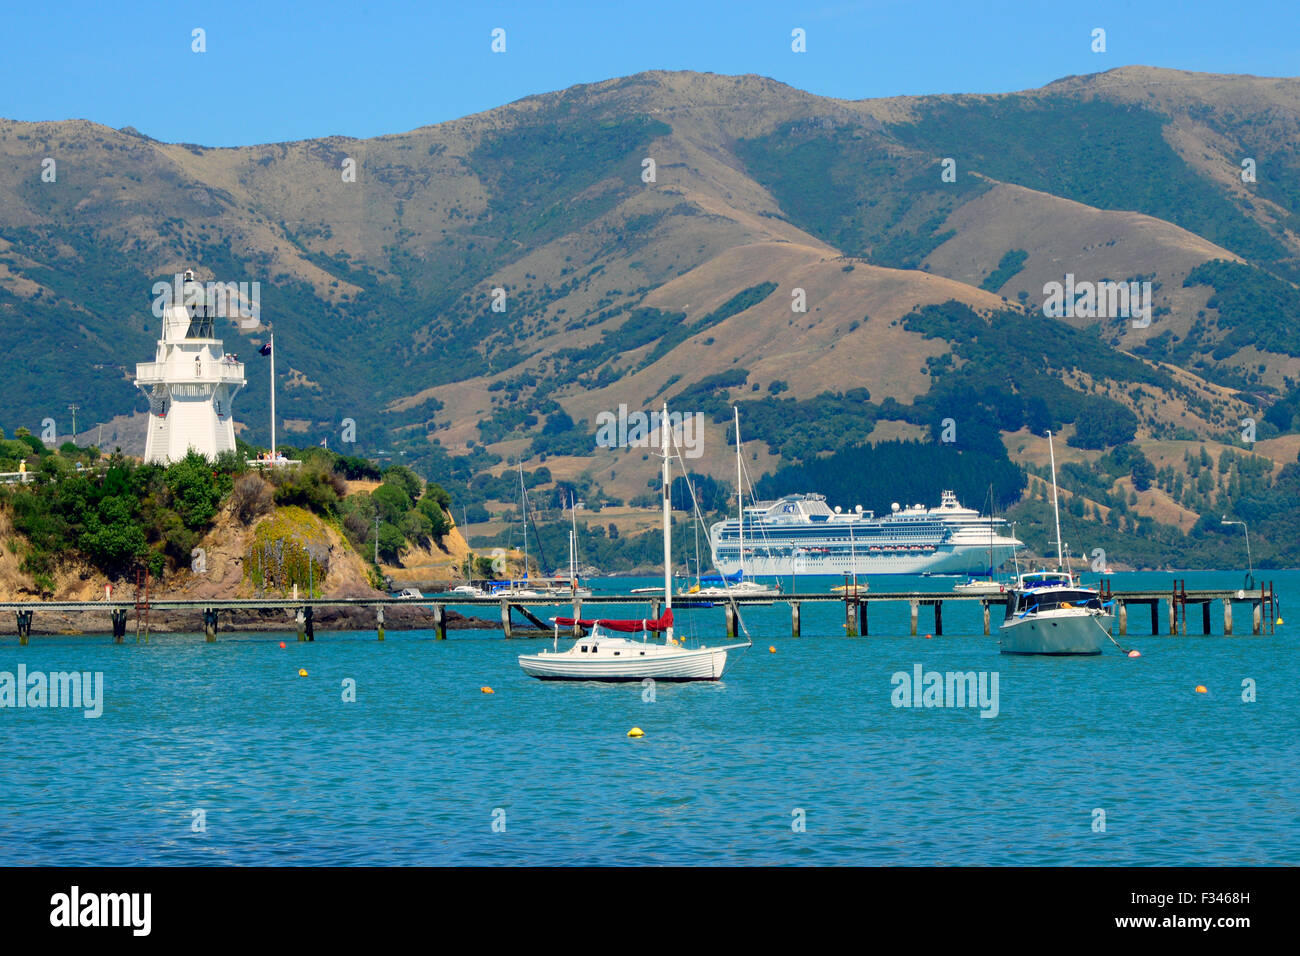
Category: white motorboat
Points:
column 1049, row 612
column 564, row 590
column 467, row 590
column 978, row 586
column 603, row 657
column 741, row 589
column 516, row 590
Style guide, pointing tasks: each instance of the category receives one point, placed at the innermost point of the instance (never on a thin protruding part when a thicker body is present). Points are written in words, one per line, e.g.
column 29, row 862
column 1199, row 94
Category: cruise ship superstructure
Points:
column 801, row 534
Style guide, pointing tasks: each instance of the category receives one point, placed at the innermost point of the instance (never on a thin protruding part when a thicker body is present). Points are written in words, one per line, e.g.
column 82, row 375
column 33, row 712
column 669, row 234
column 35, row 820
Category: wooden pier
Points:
column 1262, row 602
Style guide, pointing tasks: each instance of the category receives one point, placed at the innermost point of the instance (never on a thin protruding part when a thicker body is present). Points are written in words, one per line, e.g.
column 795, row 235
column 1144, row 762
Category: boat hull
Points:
column 1055, row 634
column 682, row 665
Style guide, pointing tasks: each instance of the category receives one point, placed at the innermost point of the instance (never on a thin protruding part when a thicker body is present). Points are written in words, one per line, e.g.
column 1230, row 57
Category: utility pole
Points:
column 73, row 409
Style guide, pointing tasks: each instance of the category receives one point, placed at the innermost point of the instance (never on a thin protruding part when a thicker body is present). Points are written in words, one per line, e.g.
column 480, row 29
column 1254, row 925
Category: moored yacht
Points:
column 603, row 657
column 1049, row 612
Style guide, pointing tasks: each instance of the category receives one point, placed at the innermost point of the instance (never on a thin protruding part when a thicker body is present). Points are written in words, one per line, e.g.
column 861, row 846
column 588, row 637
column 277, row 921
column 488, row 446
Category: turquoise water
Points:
column 421, row 765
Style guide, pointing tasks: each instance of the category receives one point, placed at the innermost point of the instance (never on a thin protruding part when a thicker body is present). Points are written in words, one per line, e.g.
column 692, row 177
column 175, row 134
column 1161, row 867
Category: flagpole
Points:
column 272, row 396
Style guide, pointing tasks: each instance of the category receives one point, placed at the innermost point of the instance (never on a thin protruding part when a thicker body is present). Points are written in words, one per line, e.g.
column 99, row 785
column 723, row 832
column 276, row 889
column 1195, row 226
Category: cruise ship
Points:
column 801, row 534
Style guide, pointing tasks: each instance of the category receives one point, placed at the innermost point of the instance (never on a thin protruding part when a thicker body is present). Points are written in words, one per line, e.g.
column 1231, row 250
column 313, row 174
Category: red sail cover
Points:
column 627, row 627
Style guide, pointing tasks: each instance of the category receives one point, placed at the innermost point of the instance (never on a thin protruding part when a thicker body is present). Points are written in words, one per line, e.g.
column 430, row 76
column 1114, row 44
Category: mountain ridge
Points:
column 381, row 289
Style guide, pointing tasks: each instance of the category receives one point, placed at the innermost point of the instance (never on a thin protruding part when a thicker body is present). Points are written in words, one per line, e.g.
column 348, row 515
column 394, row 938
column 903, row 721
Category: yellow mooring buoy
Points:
column 487, row 690
column 1200, row 689
column 636, row 732
column 302, row 672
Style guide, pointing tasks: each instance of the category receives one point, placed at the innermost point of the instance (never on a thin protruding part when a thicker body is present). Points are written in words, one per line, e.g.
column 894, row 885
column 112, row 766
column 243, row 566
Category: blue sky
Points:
column 281, row 71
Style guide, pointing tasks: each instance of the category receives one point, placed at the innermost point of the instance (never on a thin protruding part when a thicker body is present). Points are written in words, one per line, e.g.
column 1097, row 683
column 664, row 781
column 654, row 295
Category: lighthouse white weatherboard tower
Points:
column 191, row 383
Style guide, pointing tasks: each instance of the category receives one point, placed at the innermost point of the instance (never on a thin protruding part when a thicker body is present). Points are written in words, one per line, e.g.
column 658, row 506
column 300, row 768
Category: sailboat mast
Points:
column 990, row 532
column 740, row 499
column 668, row 526
column 523, row 504
column 573, row 543
column 1056, row 509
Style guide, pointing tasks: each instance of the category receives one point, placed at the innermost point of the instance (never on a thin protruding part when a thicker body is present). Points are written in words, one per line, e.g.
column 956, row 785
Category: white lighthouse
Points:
column 191, row 383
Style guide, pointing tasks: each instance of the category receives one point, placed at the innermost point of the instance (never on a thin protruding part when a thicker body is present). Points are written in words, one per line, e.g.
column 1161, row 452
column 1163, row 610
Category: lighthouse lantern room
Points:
column 191, row 383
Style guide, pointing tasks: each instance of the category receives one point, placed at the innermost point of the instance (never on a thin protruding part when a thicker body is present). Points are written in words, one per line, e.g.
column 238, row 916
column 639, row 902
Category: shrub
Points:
column 251, row 496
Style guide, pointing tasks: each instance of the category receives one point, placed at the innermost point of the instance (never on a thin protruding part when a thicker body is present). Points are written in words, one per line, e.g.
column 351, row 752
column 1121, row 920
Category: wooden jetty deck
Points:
column 1262, row 602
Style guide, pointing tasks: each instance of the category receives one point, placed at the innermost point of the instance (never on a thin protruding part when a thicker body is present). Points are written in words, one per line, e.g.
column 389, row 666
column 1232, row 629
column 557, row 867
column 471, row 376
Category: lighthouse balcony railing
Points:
column 156, row 373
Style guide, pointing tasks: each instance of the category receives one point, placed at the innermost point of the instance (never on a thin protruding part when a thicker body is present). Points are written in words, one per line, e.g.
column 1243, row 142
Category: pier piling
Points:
column 440, row 622
column 985, row 605
column 1205, row 617
column 505, row 620
column 210, row 625
column 379, row 622
column 1257, row 618
column 794, row 618
column 1227, row 616
column 730, row 610
column 916, row 611
column 118, row 617
column 577, row 615
column 938, row 619
column 1121, row 612
column 24, row 627
column 306, row 632
column 862, row 617
column 850, row 616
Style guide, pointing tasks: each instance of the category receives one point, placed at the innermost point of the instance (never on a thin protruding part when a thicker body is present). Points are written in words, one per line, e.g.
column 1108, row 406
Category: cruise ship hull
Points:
column 801, row 535
column 943, row 559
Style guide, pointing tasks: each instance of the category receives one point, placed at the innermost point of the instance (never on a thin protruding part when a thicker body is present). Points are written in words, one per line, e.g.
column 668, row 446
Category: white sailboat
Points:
column 602, row 656
column 572, row 587
column 518, row 588
column 743, row 587
column 987, row 585
column 1049, row 612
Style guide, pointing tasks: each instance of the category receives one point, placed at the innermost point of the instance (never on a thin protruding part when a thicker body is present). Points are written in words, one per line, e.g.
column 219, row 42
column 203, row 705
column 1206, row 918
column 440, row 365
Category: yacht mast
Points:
column 1056, row 509
column 573, row 543
column 740, row 500
column 523, row 504
column 668, row 530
